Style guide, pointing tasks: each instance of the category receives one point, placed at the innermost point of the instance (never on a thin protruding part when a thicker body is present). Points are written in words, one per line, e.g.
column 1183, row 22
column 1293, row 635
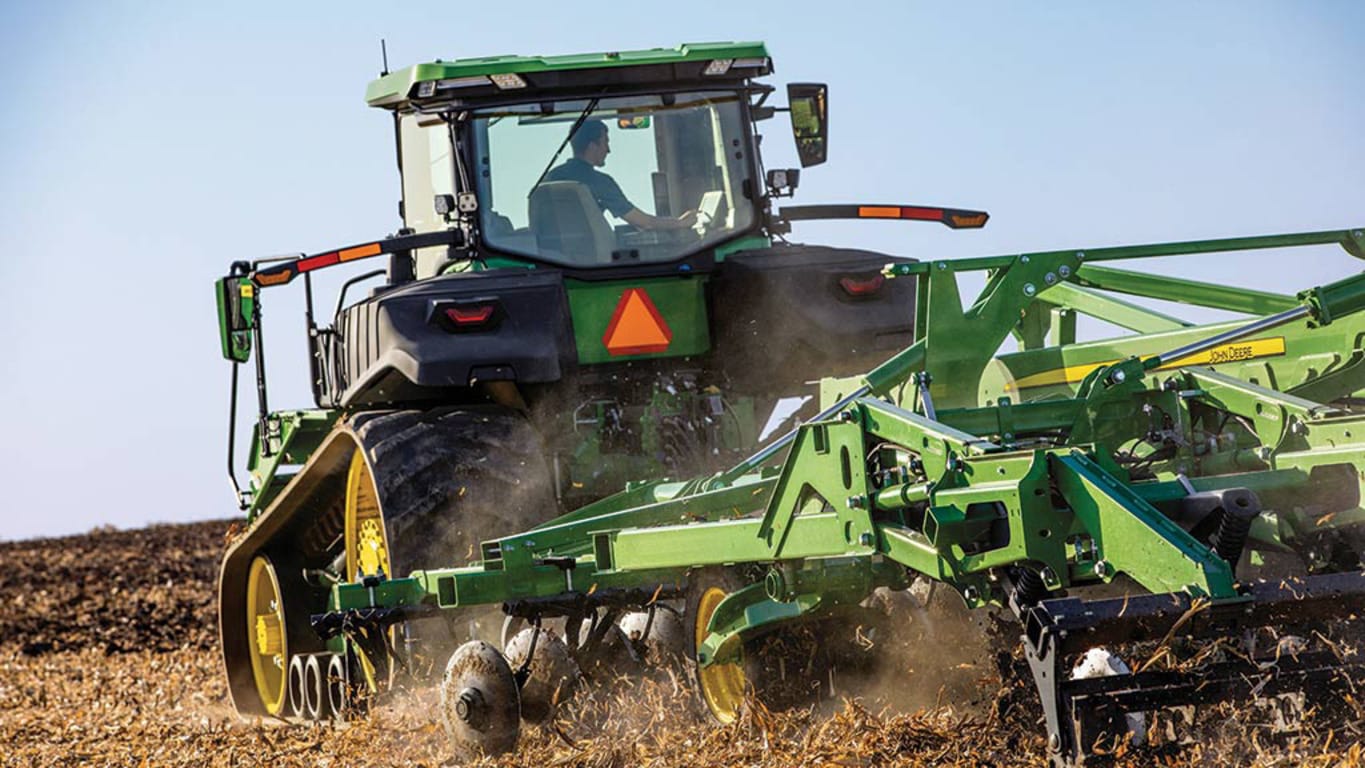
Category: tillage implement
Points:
column 552, row 404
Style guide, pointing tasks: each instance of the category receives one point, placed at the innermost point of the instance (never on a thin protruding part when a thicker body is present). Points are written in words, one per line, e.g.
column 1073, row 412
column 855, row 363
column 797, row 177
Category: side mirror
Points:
column 236, row 311
column 809, row 103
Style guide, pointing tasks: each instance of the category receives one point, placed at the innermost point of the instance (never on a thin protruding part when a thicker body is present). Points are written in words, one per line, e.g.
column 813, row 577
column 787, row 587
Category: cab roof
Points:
column 498, row 76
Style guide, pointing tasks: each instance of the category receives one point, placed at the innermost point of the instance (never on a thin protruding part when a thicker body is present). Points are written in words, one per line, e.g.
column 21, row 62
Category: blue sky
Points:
column 145, row 146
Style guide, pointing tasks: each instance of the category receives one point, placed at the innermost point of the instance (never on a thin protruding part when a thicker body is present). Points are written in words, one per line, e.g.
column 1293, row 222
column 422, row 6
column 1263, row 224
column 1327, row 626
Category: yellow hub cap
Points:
column 367, row 548
column 265, row 634
column 722, row 685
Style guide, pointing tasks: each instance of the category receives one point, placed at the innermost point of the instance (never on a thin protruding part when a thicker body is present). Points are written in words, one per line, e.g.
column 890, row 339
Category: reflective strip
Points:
column 922, row 214
column 277, row 278
column 360, row 251
column 314, row 262
column 879, row 212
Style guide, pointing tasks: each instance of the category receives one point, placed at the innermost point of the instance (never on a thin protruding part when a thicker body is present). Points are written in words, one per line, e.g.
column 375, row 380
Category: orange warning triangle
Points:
column 636, row 327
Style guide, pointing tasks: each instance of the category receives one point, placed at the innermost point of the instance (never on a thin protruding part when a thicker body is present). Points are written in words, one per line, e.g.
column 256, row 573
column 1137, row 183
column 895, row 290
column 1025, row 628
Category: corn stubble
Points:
column 107, row 658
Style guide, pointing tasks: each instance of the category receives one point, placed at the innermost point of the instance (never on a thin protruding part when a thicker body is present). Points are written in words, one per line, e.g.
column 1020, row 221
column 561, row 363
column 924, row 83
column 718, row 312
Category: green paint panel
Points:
column 681, row 306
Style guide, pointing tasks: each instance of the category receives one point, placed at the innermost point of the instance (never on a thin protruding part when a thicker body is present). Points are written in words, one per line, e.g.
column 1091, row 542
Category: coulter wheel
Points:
column 551, row 674
column 480, row 705
column 267, row 636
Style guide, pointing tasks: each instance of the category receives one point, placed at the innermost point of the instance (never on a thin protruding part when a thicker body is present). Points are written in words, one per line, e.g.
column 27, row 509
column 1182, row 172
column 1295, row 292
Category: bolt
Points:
column 943, row 265
column 1118, row 377
column 1265, row 452
column 1080, row 255
column 1102, row 568
column 1049, row 576
column 468, row 705
column 1023, row 259
column 1358, row 233
column 1049, row 278
column 865, row 539
column 971, row 595
column 846, row 416
column 855, row 502
column 1064, row 271
column 1029, row 290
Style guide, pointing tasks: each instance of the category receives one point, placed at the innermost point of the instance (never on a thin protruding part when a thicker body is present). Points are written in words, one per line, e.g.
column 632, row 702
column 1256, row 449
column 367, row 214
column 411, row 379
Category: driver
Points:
column 591, row 145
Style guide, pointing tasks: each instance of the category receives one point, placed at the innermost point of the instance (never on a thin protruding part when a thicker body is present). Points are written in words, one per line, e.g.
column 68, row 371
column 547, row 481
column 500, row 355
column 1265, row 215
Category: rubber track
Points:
column 451, row 477
column 447, row 478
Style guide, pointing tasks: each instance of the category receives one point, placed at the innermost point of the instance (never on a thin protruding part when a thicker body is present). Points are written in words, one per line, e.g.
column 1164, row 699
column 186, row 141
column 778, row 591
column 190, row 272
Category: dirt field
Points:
column 107, row 658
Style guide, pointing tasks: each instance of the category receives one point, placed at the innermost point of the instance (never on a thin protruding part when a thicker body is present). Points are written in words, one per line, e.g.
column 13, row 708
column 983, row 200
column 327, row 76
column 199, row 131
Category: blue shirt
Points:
column 604, row 188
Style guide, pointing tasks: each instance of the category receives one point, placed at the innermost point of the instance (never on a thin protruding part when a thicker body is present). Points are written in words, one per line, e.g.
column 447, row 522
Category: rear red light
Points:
column 477, row 315
column 471, row 316
column 865, row 286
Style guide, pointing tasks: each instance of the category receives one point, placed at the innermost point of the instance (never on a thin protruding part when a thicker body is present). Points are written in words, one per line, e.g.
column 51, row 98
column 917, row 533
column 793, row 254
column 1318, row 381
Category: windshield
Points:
column 600, row 182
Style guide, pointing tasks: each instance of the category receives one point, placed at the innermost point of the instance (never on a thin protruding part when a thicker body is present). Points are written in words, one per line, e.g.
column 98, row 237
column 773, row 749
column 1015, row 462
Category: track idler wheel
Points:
column 548, row 672
column 480, row 705
column 295, row 706
column 315, row 702
column 340, row 693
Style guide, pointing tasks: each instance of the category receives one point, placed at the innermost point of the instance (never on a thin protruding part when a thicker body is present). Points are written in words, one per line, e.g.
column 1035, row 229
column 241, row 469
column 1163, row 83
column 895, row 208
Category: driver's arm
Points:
column 641, row 220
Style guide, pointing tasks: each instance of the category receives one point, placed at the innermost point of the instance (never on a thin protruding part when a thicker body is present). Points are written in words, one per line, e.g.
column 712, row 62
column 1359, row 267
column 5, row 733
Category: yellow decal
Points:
column 1235, row 352
column 248, row 290
column 969, row 221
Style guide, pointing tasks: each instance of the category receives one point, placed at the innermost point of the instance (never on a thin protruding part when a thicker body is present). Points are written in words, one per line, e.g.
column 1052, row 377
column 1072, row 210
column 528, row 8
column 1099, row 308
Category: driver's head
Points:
column 590, row 142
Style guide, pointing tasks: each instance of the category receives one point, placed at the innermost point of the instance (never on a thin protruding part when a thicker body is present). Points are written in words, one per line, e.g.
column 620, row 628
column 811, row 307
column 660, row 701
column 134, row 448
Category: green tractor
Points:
column 548, row 326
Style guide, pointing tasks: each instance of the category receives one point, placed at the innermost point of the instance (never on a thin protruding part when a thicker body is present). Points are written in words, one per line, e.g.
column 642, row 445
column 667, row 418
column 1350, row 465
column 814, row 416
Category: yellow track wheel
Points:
column 266, row 634
column 367, row 547
column 722, row 685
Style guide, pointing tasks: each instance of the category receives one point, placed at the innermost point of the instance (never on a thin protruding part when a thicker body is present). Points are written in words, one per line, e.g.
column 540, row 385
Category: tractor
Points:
column 547, row 326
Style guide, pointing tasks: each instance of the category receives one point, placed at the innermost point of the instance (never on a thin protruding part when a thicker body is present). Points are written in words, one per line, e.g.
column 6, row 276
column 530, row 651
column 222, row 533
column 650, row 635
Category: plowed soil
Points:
column 107, row 657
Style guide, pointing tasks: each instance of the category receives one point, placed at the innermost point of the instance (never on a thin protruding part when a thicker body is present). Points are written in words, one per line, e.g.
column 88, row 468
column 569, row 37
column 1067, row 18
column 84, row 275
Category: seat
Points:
column 567, row 223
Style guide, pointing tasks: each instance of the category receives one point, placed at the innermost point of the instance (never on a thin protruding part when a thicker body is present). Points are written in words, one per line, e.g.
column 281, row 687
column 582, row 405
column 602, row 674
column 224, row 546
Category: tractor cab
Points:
column 591, row 161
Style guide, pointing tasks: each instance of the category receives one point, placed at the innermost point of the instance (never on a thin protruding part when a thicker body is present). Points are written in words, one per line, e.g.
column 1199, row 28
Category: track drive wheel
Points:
column 423, row 488
column 267, row 636
column 367, row 547
column 480, row 705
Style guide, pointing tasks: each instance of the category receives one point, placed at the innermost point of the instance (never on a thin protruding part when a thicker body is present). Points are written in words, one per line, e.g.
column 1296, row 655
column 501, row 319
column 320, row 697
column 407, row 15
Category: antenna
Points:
column 384, row 53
